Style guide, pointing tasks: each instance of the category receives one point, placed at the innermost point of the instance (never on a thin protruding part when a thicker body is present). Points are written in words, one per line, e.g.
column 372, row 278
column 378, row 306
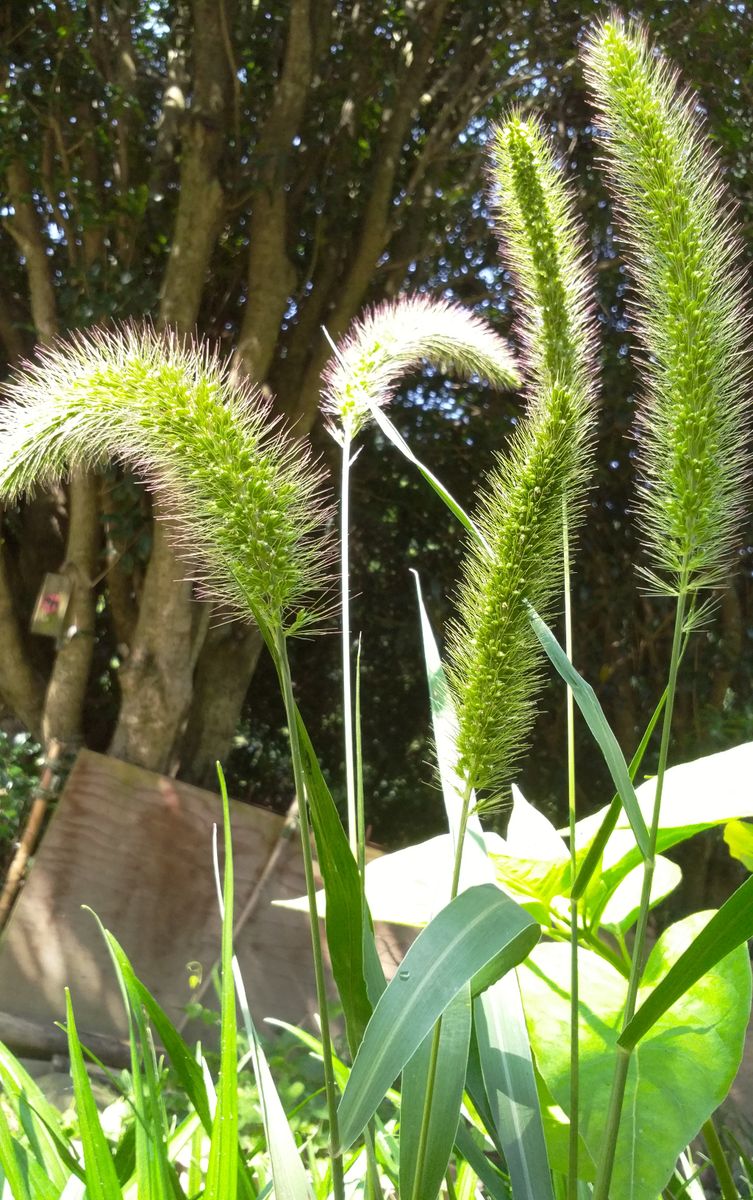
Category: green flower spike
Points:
column 244, row 505
column 684, row 258
column 494, row 655
column 395, row 337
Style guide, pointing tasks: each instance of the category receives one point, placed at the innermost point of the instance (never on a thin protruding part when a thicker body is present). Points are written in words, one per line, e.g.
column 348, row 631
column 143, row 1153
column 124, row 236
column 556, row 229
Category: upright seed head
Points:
column 494, row 655
column 244, row 503
column 397, row 336
column 684, row 259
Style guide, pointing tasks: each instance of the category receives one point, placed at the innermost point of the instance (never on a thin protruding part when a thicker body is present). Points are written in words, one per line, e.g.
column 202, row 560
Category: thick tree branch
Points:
column 271, row 277
column 201, row 202
column 25, row 227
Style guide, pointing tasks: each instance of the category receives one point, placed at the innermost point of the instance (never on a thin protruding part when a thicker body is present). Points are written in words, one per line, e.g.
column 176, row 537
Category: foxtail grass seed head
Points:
column 684, row 258
column 397, row 336
column 244, row 503
column 494, row 655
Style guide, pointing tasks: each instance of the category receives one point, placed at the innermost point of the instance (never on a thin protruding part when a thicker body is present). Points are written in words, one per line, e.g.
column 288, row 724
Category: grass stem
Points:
column 338, row 1185
column 622, row 1064
column 572, row 1167
column 350, row 775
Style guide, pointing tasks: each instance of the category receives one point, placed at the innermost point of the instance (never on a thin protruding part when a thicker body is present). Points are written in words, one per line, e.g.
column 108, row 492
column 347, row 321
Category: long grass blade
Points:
column 505, row 1055
column 101, row 1179
column 424, row 1157
column 593, row 714
column 222, row 1170
column 729, row 928
column 348, row 925
column 477, row 937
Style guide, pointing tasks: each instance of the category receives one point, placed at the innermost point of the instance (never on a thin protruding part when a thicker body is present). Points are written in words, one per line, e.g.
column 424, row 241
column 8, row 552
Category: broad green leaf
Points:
column 348, row 926
column 101, row 1179
column 222, row 1170
column 557, row 1132
column 505, row 1055
column 621, row 909
column 480, row 931
column 729, row 928
column 585, row 698
column 697, row 1045
column 696, row 796
column 447, row 1083
column 739, row 837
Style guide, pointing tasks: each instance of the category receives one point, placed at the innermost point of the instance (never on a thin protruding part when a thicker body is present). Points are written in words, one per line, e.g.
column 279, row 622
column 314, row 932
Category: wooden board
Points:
column 137, row 849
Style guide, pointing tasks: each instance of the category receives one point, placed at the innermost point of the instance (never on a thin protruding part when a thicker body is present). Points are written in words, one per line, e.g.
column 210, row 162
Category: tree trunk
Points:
column 223, row 674
column 66, row 690
column 157, row 678
column 21, row 688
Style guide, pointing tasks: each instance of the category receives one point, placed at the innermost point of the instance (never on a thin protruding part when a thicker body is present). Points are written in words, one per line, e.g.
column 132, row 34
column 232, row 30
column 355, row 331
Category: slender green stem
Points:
column 350, row 777
column 622, row 1064
column 719, row 1161
column 423, row 1137
column 360, row 812
column 572, row 1162
column 338, row 1185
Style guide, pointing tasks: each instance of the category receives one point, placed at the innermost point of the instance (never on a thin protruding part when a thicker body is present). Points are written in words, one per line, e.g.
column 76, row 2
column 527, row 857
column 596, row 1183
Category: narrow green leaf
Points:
column 39, row 1120
column 288, row 1174
column 445, row 726
column 447, row 1083
column 10, row 1162
column 348, row 925
column 480, row 926
column 494, row 1183
column 101, row 1179
column 607, row 827
column 729, row 928
column 392, row 435
column 222, row 1170
column 505, row 1055
column 593, row 714
column 152, row 1168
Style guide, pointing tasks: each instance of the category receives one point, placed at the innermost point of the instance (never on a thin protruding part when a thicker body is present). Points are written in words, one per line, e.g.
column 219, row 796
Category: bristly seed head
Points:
column 494, row 655
column 684, row 258
column 244, row 503
column 395, row 337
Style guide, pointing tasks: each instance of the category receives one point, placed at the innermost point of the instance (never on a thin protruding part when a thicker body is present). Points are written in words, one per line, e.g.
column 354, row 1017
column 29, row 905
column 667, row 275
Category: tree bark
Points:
column 223, row 673
column 22, row 689
column 157, row 677
column 67, row 687
column 202, row 199
column 25, row 228
column 271, row 277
